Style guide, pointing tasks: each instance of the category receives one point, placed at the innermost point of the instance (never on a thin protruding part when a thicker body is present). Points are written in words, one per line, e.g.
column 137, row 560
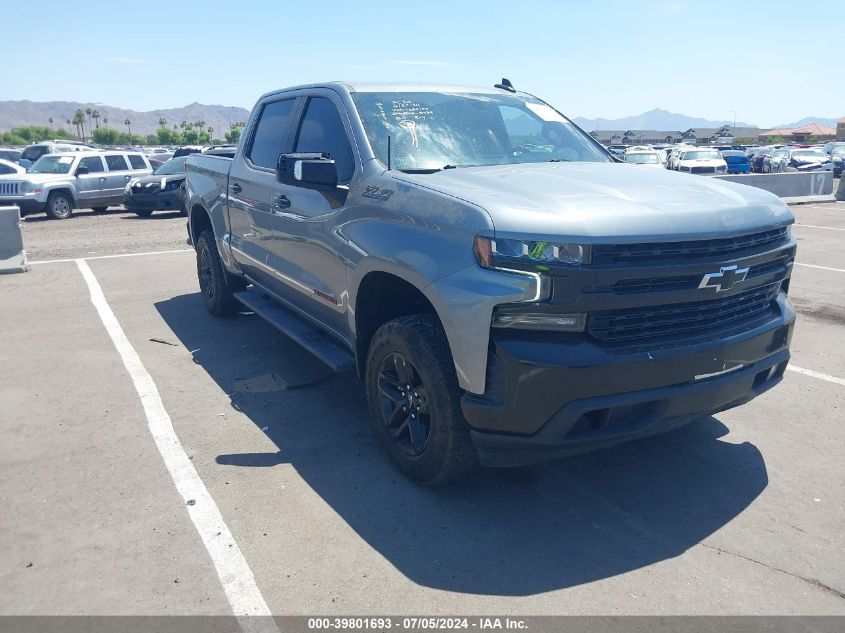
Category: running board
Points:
column 308, row 336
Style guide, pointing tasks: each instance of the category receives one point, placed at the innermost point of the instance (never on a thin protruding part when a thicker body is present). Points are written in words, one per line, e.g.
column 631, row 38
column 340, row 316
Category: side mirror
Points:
column 310, row 170
column 81, row 170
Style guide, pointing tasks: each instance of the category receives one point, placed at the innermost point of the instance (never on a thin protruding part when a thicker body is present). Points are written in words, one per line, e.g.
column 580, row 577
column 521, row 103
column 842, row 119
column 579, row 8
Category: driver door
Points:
column 90, row 186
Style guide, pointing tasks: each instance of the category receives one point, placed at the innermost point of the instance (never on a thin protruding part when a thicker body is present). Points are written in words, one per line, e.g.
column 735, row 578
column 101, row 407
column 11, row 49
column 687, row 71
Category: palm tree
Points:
column 210, row 132
column 79, row 121
column 200, row 124
column 162, row 122
column 89, row 112
column 96, row 116
column 128, row 125
column 51, row 122
column 105, row 121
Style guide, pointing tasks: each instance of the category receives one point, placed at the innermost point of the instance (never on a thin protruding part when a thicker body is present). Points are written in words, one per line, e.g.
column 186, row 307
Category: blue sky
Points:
column 766, row 61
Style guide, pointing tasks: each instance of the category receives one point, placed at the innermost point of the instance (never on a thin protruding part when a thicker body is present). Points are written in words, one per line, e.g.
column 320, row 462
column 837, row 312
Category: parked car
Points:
column 702, row 161
column 829, row 147
column 646, row 157
column 60, row 183
column 188, row 149
column 800, row 160
column 505, row 290
column 837, row 158
column 771, row 161
column 33, row 152
column 736, row 161
column 8, row 167
column 756, row 156
column 160, row 191
column 158, row 159
column 10, row 154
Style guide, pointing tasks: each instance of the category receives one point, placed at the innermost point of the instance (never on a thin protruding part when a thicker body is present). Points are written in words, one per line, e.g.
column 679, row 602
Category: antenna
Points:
column 388, row 152
column 505, row 85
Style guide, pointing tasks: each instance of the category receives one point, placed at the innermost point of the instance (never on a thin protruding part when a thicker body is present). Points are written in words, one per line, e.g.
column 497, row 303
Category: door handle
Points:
column 127, row 177
column 281, row 201
column 235, row 188
column 102, row 180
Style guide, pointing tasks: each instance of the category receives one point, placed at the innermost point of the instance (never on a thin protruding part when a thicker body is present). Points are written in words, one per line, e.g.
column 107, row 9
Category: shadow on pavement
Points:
column 510, row 532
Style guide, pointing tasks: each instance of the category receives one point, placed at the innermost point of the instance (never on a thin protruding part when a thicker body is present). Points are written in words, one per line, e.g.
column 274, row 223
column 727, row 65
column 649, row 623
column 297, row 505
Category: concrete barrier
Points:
column 12, row 255
column 840, row 193
column 789, row 184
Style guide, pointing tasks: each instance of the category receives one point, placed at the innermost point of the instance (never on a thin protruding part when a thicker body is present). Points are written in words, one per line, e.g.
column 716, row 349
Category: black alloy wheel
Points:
column 403, row 404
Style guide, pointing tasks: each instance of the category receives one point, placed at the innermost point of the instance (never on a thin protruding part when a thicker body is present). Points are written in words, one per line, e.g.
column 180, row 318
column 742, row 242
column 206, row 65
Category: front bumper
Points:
column 161, row 201
column 26, row 205
column 549, row 399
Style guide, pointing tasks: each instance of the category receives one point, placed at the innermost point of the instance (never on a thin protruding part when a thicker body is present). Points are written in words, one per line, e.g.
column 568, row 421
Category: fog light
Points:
column 540, row 321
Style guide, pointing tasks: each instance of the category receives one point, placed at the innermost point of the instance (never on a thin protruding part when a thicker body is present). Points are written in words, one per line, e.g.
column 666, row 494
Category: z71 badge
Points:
column 377, row 193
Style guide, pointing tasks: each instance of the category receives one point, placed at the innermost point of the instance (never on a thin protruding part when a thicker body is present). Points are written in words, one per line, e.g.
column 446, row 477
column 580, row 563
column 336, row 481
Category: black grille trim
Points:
column 687, row 251
column 665, row 324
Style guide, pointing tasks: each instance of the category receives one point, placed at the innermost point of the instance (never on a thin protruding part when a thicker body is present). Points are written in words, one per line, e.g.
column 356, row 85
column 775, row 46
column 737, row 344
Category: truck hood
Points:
column 597, row 201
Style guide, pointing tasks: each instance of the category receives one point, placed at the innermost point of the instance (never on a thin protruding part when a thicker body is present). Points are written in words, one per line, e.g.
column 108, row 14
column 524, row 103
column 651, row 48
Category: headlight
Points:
column 25, row 187
column 169, row 185
column 535, row 318
column 534, row 255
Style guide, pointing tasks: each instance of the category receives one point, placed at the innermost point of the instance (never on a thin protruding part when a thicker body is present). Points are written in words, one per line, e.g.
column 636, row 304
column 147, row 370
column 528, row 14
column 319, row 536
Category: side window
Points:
column 270, row 134
column 6, row 169
column 322, row 131
column 137, row 161
column 116, row 162
column 93, row 163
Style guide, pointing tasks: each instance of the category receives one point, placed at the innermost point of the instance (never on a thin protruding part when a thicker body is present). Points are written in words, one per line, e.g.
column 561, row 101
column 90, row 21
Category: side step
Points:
column 312, row 339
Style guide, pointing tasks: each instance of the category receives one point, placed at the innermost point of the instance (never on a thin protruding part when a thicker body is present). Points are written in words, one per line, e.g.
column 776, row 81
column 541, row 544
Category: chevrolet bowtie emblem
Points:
column 725, row 279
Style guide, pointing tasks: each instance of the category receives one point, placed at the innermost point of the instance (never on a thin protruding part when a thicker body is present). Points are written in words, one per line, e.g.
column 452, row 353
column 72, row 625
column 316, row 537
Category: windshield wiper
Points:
column 420, row 171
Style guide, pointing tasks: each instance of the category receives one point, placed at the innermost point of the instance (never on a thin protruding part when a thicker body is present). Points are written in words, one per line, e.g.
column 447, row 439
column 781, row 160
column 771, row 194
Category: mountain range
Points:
column 22, row 113
column 220, row 118
column 663, row 120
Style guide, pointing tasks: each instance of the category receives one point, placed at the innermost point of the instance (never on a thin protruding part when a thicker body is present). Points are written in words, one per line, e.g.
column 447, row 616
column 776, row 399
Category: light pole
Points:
column 734, row 113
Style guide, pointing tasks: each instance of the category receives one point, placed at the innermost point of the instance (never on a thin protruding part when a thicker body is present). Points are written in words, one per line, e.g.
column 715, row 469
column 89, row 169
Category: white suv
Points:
column 59, row 183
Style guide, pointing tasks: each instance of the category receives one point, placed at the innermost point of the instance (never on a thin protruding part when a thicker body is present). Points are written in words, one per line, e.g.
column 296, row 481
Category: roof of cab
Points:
column 374, row 86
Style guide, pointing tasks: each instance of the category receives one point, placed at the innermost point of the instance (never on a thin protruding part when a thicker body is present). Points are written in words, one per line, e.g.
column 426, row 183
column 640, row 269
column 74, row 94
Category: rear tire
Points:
column 59, row 206
column 422, row 428
column 143, row 213
column 216, row 285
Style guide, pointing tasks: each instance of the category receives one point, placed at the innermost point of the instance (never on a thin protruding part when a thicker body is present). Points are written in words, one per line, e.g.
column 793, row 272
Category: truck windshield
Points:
column 52, row 165
column 429, row 131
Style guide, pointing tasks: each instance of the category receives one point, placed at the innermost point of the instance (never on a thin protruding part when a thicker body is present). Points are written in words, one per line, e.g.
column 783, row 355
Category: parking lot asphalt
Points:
column 740, row 513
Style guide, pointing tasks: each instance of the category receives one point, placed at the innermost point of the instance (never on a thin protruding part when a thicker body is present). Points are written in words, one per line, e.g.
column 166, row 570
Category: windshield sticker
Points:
column 64, row 160
column 545, row 112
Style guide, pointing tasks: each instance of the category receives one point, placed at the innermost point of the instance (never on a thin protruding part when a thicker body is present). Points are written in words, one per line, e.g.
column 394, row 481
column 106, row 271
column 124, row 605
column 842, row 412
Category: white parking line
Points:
column 816, row 374
column 814, row 226
column 75, row 259
column 836, row 270
column 234, row 572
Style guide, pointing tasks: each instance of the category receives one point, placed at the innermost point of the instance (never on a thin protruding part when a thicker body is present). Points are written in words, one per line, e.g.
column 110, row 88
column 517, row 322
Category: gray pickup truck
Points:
column 505, row 289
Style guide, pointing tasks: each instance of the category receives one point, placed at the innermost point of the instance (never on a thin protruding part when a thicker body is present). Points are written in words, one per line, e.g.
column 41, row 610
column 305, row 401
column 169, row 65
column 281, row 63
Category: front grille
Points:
column 145, row 189
column 702, row 170
column 686, row 282
column 666, row 324
column 689, row 251
column 9, row 188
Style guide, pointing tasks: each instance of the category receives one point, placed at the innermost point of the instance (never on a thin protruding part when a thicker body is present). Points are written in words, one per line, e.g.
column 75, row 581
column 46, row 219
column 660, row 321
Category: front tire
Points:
column 216, row 285
column 59, row 206
column 415, row 400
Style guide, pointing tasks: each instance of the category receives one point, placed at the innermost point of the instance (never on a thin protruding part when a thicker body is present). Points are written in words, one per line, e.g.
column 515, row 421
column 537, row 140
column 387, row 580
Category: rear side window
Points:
column 7, row 169
column 116, row 162
column 137, row 161
column 93, row 163
column 323, row 131
column 270, row 135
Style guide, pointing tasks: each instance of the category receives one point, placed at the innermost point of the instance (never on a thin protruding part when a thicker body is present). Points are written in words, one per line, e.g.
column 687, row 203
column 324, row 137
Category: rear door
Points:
column 252, row 187
column 116, row 178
